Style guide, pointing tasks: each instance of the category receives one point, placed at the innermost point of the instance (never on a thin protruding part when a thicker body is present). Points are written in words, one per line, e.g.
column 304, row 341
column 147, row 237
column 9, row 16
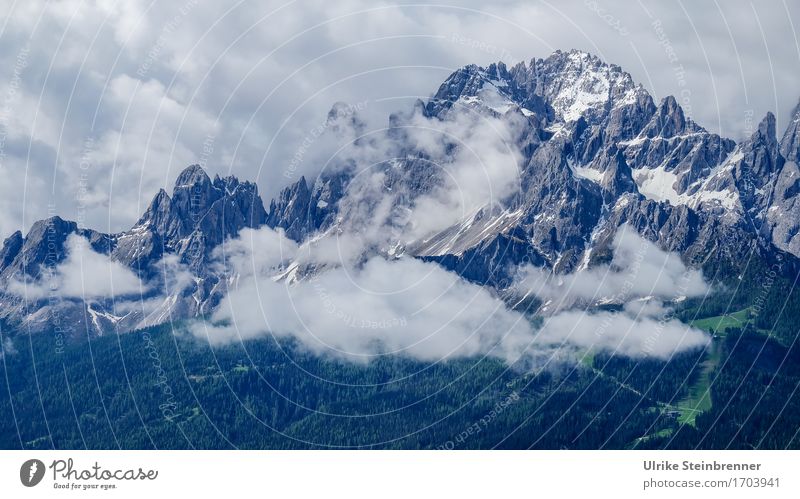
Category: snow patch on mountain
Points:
column 588, row 173
column 659, row 185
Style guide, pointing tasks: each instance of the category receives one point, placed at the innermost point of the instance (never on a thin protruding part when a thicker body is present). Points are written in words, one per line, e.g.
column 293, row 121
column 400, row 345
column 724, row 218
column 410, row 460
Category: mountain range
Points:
column 592, row 151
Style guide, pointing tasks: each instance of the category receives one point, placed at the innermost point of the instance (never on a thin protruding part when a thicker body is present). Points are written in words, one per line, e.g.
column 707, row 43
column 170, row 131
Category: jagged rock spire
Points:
column 668, row 120
column 761, row 150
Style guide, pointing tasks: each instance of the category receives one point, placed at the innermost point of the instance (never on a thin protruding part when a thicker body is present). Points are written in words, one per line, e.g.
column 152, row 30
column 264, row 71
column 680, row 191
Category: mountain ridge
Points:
column 596, row 152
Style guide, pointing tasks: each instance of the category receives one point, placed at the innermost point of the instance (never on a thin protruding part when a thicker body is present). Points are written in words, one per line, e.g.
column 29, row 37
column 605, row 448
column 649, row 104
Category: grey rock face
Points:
column 11, row 248
column 761, row 153
column 779, row 205
column 492, row 262
column 783, row 216
column 293, row 211
column 300, row 209
column 200, row 215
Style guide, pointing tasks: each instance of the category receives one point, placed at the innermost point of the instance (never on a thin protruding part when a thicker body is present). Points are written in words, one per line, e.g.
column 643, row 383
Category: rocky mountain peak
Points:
column 198, row 216
column 11, row 247
column 157, row 212
column 577, row 83
column 44, row 246
column 761, row 151
column 561, row 88
column 618, row 178
column 191, row 176
column 766, row 129
column 344, row 117
column 668, row 120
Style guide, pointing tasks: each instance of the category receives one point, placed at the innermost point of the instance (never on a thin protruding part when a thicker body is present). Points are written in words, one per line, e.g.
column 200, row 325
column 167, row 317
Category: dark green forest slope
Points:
column 155, row 389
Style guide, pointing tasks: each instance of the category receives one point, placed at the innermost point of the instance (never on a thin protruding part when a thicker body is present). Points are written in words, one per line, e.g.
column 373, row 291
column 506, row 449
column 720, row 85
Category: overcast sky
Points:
column 103, row 102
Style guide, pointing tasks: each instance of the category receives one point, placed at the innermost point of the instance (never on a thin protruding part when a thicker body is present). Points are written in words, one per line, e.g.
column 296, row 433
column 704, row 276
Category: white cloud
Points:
column 468, row 161
column 403, row 307
column 640, row 278
column 621, row 333
column 638, row 269
column 83, row 274
column 256, row 251
column 175, row 275
column 7, row 348
column 418, row 309
column 485, row 168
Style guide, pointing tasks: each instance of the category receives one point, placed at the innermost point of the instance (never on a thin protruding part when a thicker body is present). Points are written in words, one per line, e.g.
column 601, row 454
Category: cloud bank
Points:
column 403, row 307
column 638, row 269
column 420, row 310
column 642, row 279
